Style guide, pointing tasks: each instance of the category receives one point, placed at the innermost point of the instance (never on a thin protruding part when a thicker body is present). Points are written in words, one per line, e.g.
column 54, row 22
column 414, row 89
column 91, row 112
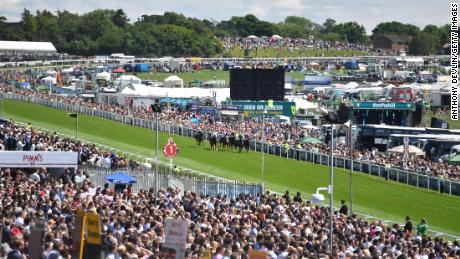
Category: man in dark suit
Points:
column 343, row 208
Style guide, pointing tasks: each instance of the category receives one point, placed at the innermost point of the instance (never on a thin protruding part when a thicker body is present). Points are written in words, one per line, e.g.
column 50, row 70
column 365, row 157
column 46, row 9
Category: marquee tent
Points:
column 141, row 90
column 47, row 80
column 103, row 76
column 127, row 79
column 173, row 81
column 27, row 46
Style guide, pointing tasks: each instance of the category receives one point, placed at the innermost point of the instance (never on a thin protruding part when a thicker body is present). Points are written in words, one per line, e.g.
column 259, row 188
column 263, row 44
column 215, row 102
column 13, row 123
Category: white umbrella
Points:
column 412, row 150
column 252, row 37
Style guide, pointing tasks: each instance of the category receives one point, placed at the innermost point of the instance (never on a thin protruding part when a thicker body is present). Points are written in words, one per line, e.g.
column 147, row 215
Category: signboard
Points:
column 93, row 229
column 77, row 234
column 256, row 108
column 31, row 159
column 171, row 150
column 176, row 233
column 384, row 105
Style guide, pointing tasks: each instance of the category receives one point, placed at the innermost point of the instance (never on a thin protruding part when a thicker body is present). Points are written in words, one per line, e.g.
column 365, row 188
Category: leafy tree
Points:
column 120, row 19
column 351, row 32
column 423, row 44
column 396, row 28
column 29, row 25
column 328, row 25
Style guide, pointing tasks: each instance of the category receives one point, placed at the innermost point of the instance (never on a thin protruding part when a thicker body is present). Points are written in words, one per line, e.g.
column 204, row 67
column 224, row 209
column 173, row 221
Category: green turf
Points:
column 372, row 195
column 452, row 123
column 203, row 75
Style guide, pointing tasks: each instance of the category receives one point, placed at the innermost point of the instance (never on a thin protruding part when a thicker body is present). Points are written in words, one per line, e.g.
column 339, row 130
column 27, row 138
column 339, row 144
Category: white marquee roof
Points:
column 27, row 46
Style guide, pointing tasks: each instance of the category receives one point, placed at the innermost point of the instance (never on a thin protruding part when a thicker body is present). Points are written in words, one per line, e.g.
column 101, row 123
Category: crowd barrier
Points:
column 402, row 176
column 147, row 179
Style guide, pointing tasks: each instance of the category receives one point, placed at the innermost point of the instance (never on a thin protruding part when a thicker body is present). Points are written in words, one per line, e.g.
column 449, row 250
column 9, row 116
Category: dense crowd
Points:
column 15, row 137
column 295, row 45
column 288, row 136
column 133, row 223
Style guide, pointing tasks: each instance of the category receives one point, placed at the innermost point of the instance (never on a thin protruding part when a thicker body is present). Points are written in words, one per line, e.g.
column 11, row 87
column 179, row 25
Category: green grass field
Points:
column 452, row 124
column 372, row 195
column 203, row 75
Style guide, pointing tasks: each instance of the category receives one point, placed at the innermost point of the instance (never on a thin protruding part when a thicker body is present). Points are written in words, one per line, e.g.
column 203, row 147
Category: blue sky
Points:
column 366, row 12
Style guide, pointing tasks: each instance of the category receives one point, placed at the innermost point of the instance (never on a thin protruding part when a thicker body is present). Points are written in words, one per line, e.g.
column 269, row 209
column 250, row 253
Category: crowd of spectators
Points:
column 133, row 223
column 295, row 45
column 288, row 136
column 15, row 137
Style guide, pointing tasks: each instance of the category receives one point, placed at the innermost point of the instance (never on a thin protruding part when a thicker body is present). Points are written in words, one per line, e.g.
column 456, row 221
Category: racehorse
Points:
column 199, row 137
column 213, row 142
column 226, row 142
column 231, row 139
column 244, row 143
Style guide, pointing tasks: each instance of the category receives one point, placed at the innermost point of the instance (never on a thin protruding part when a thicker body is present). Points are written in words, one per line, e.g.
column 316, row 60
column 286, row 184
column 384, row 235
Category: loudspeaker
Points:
column 257, row 84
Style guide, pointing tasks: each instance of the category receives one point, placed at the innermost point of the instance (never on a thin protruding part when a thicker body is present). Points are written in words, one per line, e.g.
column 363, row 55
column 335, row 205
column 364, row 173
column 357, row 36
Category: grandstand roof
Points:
column 27, row 46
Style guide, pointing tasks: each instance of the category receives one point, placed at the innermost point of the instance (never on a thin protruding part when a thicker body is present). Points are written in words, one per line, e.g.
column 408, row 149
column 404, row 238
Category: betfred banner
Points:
column 31, row 159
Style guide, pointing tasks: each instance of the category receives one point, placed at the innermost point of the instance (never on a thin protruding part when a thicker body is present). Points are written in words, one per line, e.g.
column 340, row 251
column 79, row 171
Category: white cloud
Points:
column 366, row 12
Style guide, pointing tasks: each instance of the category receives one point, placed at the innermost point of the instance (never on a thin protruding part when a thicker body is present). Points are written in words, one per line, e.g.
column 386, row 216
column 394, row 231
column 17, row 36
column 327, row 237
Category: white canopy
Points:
column 412, row 150
column 301, row 103
column 173, row 81
column 103, row 76
column 28, row 46
column 46, row 80
column 67, row 70
column 142, row 90
column 127, row 79
column 351, row 85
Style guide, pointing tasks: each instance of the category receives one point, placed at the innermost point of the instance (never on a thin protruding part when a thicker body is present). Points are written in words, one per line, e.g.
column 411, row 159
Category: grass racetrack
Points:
column 371, row 195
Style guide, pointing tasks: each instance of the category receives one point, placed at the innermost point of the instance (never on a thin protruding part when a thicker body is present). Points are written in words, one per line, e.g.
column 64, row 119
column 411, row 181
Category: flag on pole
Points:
column 72, row 115
column 406, row 149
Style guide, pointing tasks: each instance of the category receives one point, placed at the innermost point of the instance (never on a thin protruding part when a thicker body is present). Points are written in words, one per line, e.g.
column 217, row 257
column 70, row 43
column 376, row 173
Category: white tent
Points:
column 51, row 72
column 173, row 81
column 302, row 103
column 351, row 85
column 46, row 80
column 103, row 76
column 67, row 70
column 412, row 150
column 127, row 79
column 221, row 94
column 27, row 46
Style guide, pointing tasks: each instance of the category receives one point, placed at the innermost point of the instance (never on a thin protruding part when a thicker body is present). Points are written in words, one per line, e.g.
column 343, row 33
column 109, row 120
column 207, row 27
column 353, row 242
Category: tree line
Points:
column 105, row 31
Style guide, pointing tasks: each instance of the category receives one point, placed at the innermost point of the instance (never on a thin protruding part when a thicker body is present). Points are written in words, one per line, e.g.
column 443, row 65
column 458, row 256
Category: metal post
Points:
column 156, row 158
column 2, row 107
column 351, row 169
column 76, row 127
column 263, row 151
column 50, row 83
column 331, row 189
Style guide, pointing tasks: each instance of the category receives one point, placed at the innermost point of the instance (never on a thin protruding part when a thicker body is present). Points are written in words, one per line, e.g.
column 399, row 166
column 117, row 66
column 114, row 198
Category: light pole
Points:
column 263, row 147
column 51, row 79
column 156, row 108
column 331, row 187
column 350, row 143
